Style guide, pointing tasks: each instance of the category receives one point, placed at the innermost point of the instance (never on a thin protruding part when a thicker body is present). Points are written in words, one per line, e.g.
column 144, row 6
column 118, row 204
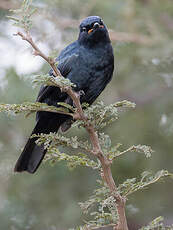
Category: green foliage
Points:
column 53, row 140
column 23, row 19
column 147, row 178
column 138, row 148
column 54, row 155
column 52, row 81
column 125, row 103
column 30, row 107
column 142, row 149
column 56, row 140
column 101, row 207
column 113, row 151
column 102, row 200
column 101, row 115
column 158, row 224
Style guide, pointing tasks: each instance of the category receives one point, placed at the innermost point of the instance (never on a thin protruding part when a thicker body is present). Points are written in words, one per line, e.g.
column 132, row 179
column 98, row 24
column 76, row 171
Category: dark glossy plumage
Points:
column 87, row 62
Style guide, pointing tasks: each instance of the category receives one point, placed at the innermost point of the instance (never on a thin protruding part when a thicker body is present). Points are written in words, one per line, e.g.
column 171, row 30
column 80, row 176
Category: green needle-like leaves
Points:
column 46, row 79
column 158, row 224
column 29, row 107
column 23, row 15
column 132, row 185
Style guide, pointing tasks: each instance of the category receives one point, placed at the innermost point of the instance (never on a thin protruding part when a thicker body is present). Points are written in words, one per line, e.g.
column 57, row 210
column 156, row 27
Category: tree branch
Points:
column 97, row 151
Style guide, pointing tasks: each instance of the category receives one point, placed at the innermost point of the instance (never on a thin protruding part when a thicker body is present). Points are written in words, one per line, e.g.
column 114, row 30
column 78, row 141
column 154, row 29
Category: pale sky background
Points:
column 16, row 53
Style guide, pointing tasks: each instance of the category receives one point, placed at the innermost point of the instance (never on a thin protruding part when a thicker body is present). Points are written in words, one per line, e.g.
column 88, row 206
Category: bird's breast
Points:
column 93, row 71
column 97, row 59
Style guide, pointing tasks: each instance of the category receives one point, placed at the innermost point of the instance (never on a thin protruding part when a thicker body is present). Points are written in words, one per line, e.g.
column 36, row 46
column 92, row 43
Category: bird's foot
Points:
column 80, row 93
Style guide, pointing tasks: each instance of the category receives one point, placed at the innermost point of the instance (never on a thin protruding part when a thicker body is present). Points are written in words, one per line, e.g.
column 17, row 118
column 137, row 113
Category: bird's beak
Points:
column 95, row 26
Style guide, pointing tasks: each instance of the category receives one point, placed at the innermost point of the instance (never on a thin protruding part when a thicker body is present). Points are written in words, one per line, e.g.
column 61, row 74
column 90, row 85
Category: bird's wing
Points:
column 67, row 57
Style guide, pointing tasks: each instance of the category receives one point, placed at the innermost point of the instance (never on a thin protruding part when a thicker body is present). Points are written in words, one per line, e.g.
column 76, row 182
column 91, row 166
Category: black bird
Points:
column 89, row 64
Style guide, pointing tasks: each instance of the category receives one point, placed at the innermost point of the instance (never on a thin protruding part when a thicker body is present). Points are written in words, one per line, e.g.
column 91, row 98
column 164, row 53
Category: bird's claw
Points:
column 80, row 93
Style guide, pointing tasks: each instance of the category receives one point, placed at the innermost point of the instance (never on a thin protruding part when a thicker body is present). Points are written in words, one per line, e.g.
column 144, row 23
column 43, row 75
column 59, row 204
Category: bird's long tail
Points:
column 32, row 155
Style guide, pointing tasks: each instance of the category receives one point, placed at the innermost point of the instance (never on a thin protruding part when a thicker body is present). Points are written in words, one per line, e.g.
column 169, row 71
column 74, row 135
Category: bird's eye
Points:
column 101, row 22
column 83, row 29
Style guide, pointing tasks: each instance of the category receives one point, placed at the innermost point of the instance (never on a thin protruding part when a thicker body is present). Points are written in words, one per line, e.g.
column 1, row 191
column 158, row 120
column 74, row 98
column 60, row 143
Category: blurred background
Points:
column 141, row 32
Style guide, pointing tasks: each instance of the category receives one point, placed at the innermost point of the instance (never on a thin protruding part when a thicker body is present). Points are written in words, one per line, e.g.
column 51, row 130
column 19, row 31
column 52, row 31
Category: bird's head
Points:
column 93, row 31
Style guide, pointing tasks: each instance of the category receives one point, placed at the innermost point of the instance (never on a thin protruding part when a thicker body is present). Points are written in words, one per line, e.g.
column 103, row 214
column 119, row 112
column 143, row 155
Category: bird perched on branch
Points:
column 88, row 63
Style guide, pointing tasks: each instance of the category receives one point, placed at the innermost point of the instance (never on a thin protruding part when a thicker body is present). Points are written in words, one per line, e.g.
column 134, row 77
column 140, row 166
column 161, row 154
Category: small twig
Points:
column 125, row 151
column 97, row 151
column 53, row 111
column 24, row 108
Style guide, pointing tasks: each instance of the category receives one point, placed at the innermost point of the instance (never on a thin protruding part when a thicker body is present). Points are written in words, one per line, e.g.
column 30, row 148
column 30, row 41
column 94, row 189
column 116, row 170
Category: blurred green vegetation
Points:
column 142, row 33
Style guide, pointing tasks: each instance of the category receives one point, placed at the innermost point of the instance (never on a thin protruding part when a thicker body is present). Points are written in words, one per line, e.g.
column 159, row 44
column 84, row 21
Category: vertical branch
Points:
column 97, row 151
column 107, row 176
